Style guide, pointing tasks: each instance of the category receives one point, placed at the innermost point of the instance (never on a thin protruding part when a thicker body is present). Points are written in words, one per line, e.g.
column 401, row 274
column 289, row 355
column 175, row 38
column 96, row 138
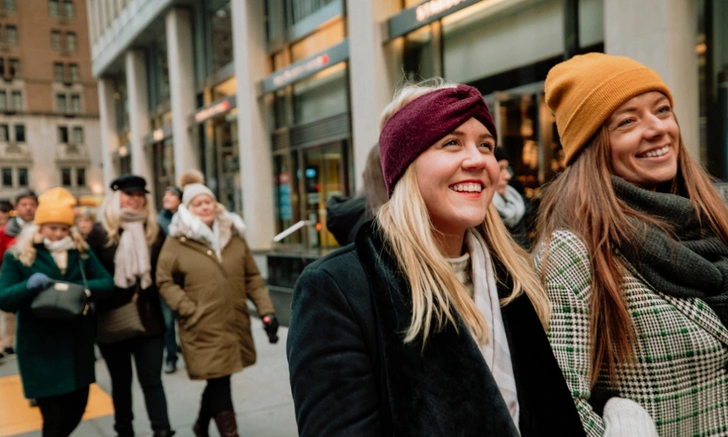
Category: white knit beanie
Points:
column 193, row 190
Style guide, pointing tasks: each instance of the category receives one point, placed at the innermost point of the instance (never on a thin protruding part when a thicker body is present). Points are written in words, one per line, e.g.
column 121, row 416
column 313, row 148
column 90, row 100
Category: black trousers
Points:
column 62, row 413
column 217, row 396
column 147, row 353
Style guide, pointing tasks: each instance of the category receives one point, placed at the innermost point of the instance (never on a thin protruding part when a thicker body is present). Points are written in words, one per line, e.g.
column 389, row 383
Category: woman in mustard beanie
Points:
column 634, row 255
column 56, row 359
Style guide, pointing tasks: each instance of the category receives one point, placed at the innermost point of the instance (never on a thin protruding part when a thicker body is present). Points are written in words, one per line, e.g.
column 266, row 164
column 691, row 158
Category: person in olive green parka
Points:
column 55, row 358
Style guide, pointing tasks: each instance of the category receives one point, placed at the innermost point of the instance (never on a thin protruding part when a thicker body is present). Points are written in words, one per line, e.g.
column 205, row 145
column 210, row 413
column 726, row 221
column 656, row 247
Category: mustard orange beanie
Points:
column 584, row 91
column 55, row 206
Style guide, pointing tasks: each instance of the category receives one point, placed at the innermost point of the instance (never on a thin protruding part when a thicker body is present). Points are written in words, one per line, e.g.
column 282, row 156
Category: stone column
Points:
column 107, row 125
column 373, row 70
column 249, row 42
column 665, row 42
column 139, row 125
column 181, row 88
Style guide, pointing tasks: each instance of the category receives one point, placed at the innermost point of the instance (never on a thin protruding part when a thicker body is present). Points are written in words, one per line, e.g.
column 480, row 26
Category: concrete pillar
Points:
column 249, row 42
column 665, row 42
column 373, row 71
column 181, row 88
column 139, row 125
column 107, row 125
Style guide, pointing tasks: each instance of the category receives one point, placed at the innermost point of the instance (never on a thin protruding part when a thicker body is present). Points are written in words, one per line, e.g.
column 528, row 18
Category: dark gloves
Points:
column 38, row 282
column 270, row 324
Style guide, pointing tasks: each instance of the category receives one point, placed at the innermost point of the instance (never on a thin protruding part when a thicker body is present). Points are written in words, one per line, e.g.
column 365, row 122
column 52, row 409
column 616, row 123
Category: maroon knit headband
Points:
column 422, row 122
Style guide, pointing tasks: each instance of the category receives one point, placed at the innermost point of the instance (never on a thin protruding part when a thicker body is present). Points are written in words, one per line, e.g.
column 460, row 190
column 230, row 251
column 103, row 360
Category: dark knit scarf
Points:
column 692, row 264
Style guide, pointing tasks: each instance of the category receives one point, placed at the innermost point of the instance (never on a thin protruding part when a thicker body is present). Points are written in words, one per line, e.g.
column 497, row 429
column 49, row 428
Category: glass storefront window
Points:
column 163, row 153
column 158, row 73
column 322, row 95
column 287, row 202
column 222, row 161
column 323, row 177
column 300, row 9
column 121, row 103
column 320, row 40
column 419, row 54
column 221, row 29
column 712, row 51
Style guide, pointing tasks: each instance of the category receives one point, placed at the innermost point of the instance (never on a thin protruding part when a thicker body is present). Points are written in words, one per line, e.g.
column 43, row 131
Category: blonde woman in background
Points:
column 432, row 323
column 127, row 242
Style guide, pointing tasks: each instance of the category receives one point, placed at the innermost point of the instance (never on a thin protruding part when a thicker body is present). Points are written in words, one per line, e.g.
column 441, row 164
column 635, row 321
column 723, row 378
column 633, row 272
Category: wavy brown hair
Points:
column 582, row 201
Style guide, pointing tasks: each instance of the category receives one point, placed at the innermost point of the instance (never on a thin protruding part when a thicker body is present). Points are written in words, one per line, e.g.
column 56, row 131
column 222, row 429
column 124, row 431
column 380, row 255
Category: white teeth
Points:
column 655, row 153
column 467, row 188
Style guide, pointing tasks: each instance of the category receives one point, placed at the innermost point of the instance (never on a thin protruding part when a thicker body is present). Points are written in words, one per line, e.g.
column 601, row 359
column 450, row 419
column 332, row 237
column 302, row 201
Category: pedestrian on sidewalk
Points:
column 85, row 220
column 634, row 254
column 206, row 274
column 170, row 203
column 127, row 242
column 403, row 332
column 25, row 205
column 55, row 358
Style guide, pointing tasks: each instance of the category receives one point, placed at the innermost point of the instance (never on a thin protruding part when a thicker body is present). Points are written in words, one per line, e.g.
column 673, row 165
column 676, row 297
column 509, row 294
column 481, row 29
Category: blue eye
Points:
column 625, row 122
column 664, row 110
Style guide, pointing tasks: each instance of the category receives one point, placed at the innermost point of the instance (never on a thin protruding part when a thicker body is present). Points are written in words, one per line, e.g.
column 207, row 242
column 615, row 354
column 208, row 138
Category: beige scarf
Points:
column 131, row 261
column 59, row 251
column 496, row 352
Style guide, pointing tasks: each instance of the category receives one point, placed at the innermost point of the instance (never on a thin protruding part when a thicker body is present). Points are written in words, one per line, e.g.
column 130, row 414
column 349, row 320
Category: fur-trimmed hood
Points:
column 185, row 224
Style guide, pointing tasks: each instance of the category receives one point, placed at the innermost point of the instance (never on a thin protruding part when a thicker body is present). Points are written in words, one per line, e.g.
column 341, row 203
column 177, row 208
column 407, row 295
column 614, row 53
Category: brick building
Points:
column 48, row 99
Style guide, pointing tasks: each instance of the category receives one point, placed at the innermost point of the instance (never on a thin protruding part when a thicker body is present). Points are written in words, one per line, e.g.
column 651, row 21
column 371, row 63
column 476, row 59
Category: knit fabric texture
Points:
column 193, row 190
column 422, row 122
column 55, row 206
column 584, row 91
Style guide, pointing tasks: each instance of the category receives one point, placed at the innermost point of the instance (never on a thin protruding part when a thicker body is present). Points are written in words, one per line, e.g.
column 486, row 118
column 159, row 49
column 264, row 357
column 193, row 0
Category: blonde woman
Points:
column 206, row 274
column 128, row 241
column 55, row 358
column 432, row 323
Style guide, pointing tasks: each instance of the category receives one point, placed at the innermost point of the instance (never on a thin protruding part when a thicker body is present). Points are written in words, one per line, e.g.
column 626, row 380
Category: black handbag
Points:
column 121, row 323
column 62, row 301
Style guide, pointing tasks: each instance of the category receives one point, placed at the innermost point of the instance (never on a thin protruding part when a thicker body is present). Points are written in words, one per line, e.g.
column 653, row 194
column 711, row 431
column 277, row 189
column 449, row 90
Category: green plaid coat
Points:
column 681, row 346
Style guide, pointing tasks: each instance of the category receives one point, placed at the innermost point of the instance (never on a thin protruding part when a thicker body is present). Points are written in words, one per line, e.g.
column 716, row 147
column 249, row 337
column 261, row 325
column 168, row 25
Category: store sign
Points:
column 306, row 67
column 434, row 7
column 413, row 18
column 214, row 109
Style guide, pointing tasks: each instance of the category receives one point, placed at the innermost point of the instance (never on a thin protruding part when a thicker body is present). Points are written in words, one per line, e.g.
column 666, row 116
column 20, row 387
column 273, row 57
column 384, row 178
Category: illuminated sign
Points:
column 415, row 17
column 434, row 7
column 306, row 67
column 291, row 74
column 212, row 111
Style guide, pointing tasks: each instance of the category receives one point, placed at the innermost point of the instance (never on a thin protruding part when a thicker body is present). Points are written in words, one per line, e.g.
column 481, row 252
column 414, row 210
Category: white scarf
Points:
column 510, row 206
column 131, row 260
column 186, row 224
column 496, row 352
column 59, row 251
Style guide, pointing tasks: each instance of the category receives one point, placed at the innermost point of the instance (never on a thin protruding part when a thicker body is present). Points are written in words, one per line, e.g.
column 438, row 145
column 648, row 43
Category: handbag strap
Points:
column 83, row 273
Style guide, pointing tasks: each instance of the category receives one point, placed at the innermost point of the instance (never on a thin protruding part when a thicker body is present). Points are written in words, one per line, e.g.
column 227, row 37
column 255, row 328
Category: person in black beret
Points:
column 128, row 241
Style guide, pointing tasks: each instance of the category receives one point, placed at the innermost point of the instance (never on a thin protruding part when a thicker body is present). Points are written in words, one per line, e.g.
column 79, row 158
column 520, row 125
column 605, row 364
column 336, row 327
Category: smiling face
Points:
column 55, row 231
column 203, row 206
column 133, row 200
column 644, row 139
column 457, row 177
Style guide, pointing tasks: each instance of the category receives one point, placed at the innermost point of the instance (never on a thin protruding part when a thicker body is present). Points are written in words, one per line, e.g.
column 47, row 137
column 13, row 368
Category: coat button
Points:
column 209, row 252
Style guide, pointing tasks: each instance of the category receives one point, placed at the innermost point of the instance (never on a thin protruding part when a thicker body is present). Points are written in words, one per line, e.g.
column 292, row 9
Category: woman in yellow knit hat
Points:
column 53, row 250
column 634, row 255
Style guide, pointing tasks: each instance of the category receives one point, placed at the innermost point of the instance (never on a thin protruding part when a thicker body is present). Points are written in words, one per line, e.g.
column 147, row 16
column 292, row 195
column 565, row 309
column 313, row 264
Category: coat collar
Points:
column 446, row 386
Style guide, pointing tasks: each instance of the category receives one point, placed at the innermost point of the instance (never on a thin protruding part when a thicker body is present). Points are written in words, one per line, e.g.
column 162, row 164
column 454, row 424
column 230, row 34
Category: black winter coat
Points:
column 351, row 373
column 148, row 301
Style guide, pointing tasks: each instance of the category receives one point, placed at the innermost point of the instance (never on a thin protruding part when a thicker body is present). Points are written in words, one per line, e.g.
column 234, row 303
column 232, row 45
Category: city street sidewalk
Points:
column 261, row 394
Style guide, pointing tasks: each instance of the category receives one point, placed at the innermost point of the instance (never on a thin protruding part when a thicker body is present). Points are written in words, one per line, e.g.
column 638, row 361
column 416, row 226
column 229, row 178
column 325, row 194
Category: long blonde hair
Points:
column 25, row 252
column 111, row 219
column 436, row 291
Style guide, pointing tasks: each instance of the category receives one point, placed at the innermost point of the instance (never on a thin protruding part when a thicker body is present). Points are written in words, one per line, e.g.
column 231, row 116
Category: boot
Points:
column 226, row 424
column 201, row 427
column 164, row 433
